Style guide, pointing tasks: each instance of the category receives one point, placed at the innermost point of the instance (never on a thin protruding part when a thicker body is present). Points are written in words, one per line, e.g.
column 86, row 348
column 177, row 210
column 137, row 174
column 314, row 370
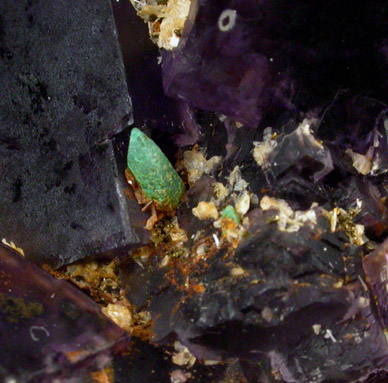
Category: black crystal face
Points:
column 63, row 96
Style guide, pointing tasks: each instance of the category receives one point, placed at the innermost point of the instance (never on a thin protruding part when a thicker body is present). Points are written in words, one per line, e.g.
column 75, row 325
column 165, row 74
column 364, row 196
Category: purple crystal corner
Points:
column 50, row 330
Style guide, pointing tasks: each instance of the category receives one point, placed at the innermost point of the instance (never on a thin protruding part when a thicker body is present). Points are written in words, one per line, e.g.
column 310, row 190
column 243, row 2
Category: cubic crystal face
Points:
column 63, row 95
column 49, row 328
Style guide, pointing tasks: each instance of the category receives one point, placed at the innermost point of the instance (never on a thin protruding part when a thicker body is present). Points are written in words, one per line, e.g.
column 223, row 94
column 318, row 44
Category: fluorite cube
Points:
column 50, row 329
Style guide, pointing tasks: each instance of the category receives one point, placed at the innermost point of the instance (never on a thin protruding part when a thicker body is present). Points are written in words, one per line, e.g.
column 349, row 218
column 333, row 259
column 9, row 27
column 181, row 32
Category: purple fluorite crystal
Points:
column 214, row 66
column 50, row 330
column 238, row 56
column 376, row 268
column 300, row 153
column 63, row 97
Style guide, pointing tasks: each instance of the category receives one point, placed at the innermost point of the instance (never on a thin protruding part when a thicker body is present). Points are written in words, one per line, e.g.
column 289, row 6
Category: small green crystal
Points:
column 156, row 176
column 229, row 212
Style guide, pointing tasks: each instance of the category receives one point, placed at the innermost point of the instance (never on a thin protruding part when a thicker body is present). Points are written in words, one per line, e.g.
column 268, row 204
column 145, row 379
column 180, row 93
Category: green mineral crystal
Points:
column 229, row 212
column 156, row 176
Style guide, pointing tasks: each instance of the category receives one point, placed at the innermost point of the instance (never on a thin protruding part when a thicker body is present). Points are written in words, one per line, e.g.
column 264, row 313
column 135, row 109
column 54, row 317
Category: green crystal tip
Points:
column 229, row 212
column 152, row 170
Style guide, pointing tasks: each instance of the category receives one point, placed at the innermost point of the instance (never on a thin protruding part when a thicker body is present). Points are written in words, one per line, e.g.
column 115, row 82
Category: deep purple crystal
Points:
column 238, row 56
column 63, row 95
column 216, row 70
column 376, row 268
column 49, row 328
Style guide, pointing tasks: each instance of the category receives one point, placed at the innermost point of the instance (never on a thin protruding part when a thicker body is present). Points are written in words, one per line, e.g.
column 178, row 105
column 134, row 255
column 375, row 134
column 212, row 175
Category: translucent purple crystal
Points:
column 373, row 212
column 236, row 57
column 376, row 268
column 356, row 123
column 50, row 330
column 300, row 153
column 214, row 66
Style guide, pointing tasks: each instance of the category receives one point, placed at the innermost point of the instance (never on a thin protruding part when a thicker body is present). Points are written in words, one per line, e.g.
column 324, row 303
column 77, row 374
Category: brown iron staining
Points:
column 16, row 308
column 183, row 272
column 141, row 199
column 168, row 231
column 99, row 279
column 102, row 282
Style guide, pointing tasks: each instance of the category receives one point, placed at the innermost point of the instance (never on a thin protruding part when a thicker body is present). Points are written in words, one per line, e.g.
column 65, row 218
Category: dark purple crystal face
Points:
column 49, row 329
column 294, row 301
column 376, row 268
column 63, row 97
column 290, row 306
column 238, row 56
column 214, row 66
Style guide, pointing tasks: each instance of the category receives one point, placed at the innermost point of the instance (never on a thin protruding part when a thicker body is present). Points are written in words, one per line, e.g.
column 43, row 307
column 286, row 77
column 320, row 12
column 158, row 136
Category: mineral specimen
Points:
column 300, row 143
column 155, row 175
column 261, row 276
column 50, row 330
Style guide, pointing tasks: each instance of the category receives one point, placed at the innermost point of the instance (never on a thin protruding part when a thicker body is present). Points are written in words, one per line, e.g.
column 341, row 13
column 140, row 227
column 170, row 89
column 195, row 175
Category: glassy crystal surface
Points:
column 239, row 57
column 287, row 293
column 274, row 114
column 50, row 330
